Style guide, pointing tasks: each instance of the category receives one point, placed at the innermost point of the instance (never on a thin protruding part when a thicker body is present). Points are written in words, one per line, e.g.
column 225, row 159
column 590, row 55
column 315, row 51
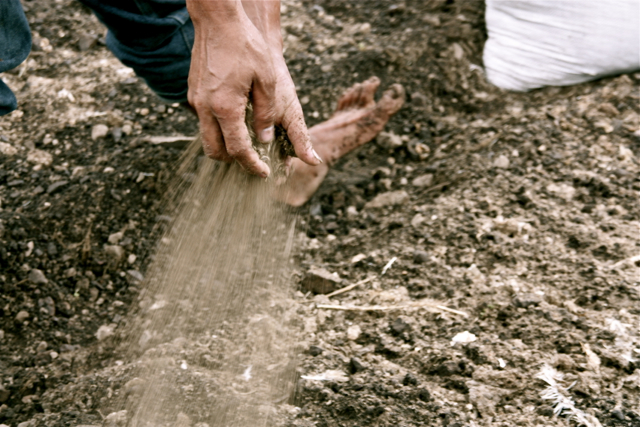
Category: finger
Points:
column 293, row 122
column 212, row 142
column 264, row 111
column 238, row 142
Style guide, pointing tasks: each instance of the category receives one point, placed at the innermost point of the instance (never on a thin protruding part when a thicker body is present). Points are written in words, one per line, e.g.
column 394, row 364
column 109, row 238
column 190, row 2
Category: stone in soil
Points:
column 320, row 281
column 391, row 198
column 37, row 277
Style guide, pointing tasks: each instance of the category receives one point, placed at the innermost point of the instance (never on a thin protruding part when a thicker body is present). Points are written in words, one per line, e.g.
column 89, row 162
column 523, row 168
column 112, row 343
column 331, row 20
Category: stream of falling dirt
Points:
column 213, row 342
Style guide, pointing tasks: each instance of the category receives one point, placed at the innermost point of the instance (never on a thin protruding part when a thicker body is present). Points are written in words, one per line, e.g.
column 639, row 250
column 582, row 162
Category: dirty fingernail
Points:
column 316, row 155
column 266, row 135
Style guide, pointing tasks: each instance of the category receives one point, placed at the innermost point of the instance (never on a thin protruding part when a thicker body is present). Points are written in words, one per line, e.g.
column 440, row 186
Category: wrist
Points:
column 215, row 12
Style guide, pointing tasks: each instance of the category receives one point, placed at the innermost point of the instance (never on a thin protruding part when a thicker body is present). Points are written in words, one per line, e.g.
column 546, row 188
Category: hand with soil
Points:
column 237, row 55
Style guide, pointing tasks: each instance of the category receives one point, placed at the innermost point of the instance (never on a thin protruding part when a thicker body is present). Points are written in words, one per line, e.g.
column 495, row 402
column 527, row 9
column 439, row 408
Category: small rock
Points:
column 526, row 300
column 423, row 180
column 115, row 238
column 314, row 350
column 399, row 326
column 391, row 198
column 419, row 99
column 39, row 157
column 417, row 220
column 105, row 331
column 37, row 277
column 4, row 396
column 501, row 162
column 160, row 108
column 8, row 149
column 617, row 413
column 564, row 191
column 424, row 395
column 127, row 129
column 353, row 332
column 410, row 379
column 355, row 365
column 87, row 41
column 320, row 281
column 52, row 249
column 22, row 316
column 1, row 334
column 144, row 111
column 465, row 337
column 389, row 140
column 116, row 133
column 136, row 275
column 115, row 253
column 420, row 257
column 55, row 186
column 115, row 419
column 42, row 346
column 70, row 272
column 99, row 131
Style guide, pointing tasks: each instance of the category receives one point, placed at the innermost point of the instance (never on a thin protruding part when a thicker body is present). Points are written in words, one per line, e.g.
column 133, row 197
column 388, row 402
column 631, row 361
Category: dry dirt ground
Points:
column 510, row 222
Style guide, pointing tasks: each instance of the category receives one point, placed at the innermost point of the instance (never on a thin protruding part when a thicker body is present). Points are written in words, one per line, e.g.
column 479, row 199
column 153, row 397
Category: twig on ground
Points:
column 388, row 265
column 391, row 307
column 352, row 286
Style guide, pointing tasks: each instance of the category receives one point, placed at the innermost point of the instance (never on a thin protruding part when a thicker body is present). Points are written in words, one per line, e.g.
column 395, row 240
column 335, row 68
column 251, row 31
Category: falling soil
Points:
column 222, row 266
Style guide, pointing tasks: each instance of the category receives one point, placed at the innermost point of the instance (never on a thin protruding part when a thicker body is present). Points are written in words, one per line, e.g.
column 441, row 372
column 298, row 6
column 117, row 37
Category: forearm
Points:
column 215, row 12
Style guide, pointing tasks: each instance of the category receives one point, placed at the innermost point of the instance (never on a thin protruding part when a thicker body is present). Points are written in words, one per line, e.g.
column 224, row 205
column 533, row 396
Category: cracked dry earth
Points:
column 508, row 227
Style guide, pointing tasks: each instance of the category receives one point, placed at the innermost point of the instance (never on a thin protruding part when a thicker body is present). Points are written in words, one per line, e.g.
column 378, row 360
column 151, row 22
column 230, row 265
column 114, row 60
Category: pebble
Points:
column 391, row 198
column 116, row 133
column 37, row 277
column 144, row 111
column 320, row 281
column 55, row 186
column 135, row 274
column 420, row 257
column 617, row 413
column 527, row 299
column 39, row 157
column 399, row 325
column 8, row 149
column 87, row 41
column 389, row 140
column 105, row 331
column 160, row 108
column 115, row 252
column 116, row 419
column 314, row 350
column 1, row 334
column 419, row 99
column 22, row 316
column 353, row 332
column 115, row 238
column 423, row 180
column 99, row 131
column 417, row 220
column 355, row 365
column 501, row 162
column 42, row 346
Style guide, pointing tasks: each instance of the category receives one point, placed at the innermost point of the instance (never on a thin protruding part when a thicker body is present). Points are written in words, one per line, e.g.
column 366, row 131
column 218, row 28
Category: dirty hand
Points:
column 233, row 61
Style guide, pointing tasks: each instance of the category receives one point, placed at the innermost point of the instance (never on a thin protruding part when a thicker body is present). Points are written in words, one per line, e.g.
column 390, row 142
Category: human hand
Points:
column 232, row 61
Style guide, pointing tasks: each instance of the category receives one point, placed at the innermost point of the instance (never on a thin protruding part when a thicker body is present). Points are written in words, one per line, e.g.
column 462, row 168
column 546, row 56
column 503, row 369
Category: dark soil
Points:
column 526, row 229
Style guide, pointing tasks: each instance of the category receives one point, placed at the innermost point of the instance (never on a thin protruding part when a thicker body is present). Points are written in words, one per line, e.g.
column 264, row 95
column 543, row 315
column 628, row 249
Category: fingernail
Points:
column 316, row 155
column 266, row 135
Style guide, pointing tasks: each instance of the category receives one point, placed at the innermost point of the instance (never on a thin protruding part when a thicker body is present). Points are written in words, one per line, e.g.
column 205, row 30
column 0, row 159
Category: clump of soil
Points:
column 519, row 210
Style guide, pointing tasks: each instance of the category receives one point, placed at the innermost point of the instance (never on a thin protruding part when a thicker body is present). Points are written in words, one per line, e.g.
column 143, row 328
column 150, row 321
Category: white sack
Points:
column 535, row 43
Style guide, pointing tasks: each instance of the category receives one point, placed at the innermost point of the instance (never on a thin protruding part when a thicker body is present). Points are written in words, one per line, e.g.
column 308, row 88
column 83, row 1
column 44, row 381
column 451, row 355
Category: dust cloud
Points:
column 213, row 344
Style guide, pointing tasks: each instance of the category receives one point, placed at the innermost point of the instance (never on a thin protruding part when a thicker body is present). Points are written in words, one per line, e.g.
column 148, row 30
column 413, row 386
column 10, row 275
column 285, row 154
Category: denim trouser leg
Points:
column 15, row 44
column 154, row 37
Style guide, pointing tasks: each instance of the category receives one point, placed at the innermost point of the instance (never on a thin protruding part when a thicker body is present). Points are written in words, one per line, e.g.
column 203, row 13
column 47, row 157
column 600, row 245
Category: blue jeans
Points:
column 154, row 37
column 15, row 44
